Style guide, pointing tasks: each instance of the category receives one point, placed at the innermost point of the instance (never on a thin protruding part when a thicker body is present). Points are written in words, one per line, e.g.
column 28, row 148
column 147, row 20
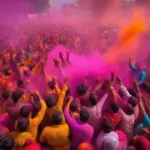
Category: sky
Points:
column 58, row 3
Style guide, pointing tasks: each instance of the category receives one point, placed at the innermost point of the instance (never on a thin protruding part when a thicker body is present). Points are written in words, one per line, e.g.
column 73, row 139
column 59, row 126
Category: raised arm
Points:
column 61, row 93
column 40, row 115
column 123, row 89
column 57, row 64
column 142, row 77
column 131, row 66
column 71, row 121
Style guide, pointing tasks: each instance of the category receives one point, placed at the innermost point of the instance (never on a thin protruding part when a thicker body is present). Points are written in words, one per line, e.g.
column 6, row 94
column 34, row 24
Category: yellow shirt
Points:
column 35, row 122
column 59, row 104
column 20, row 138
column 56, row 137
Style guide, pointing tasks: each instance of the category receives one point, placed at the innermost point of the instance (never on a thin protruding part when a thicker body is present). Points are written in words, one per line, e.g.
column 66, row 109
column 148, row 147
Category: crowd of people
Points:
column 103, row 116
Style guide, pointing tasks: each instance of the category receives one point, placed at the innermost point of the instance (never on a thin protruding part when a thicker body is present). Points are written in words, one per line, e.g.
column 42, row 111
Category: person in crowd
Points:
column 81, row 130
column 37, row 114
column 21, row 134
column 141, row 74
column 107, row 139
column 56, row 136
column 6, row 142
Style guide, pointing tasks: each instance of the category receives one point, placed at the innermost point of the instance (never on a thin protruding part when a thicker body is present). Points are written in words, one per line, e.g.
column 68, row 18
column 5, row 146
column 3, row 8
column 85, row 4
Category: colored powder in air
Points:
column 81, row 66
column 127, row 43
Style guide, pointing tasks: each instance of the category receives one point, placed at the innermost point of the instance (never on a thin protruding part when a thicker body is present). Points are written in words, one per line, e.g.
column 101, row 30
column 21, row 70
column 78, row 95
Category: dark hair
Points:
column 132, row 92
column 84, row 115
column 73, row 106
column 114, row 106
column 31, row 66
column 129, row 109
column 50, row 101
column 26, row 73
column 106, row 125
column 6, row 71
column 57, row 117
column 68, row 92
column 20, row 83
column 7, row 142
column 51, row 85
column 133, row 101
column 22, row 124
column 93, row 99
column 16, row 95
column 81, row 89
column 139, row 143
column 25, row 111
column 6, row 94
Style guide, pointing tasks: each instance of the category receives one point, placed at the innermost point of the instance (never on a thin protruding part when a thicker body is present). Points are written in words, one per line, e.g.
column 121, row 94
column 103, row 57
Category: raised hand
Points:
column 56, row 62
column 119, row 81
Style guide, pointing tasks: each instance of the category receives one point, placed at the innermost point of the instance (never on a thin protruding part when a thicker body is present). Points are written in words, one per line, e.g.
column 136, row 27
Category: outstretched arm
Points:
column 57, row 64
column 142, row 77
column 131, row 66
column 123, row 89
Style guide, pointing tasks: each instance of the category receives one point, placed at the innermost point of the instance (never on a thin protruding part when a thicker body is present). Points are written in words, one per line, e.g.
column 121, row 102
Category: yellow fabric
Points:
column 59, row 104
column 35, row 122
column 74, row 114
column 56, row 137
column 35, row 69
column 20, row 138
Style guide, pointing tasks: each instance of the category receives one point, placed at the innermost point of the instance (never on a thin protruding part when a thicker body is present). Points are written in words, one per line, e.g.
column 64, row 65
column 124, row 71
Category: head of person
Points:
column 85, row 146
column 114, row 107
column 25, row 111
column 57, row 117
column 111, row 142
column 20, row 84
column 6, row 94
column 106, row 125
column 141, row 143
column 7, row 71
column 26, row 72
column 133, row 92
column 31, row 66
column 50, row 101
column 129, row 109
column 22, row 124
column 51, row 85
column 17, row 95
column 73, row 106
column 132, row 101
column 84, row 115
column 82, row 89
column 6, row 142
column 93, row 99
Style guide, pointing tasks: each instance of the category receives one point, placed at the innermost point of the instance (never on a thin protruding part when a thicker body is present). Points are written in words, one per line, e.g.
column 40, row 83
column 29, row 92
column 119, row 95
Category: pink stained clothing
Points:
column 127, row 123
column 81, row 132
column 96, row 112
column 125, row 92
column 33, row 146
column 105, row 140
column 14, row 114
column 123, row 142
column 84, row 100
